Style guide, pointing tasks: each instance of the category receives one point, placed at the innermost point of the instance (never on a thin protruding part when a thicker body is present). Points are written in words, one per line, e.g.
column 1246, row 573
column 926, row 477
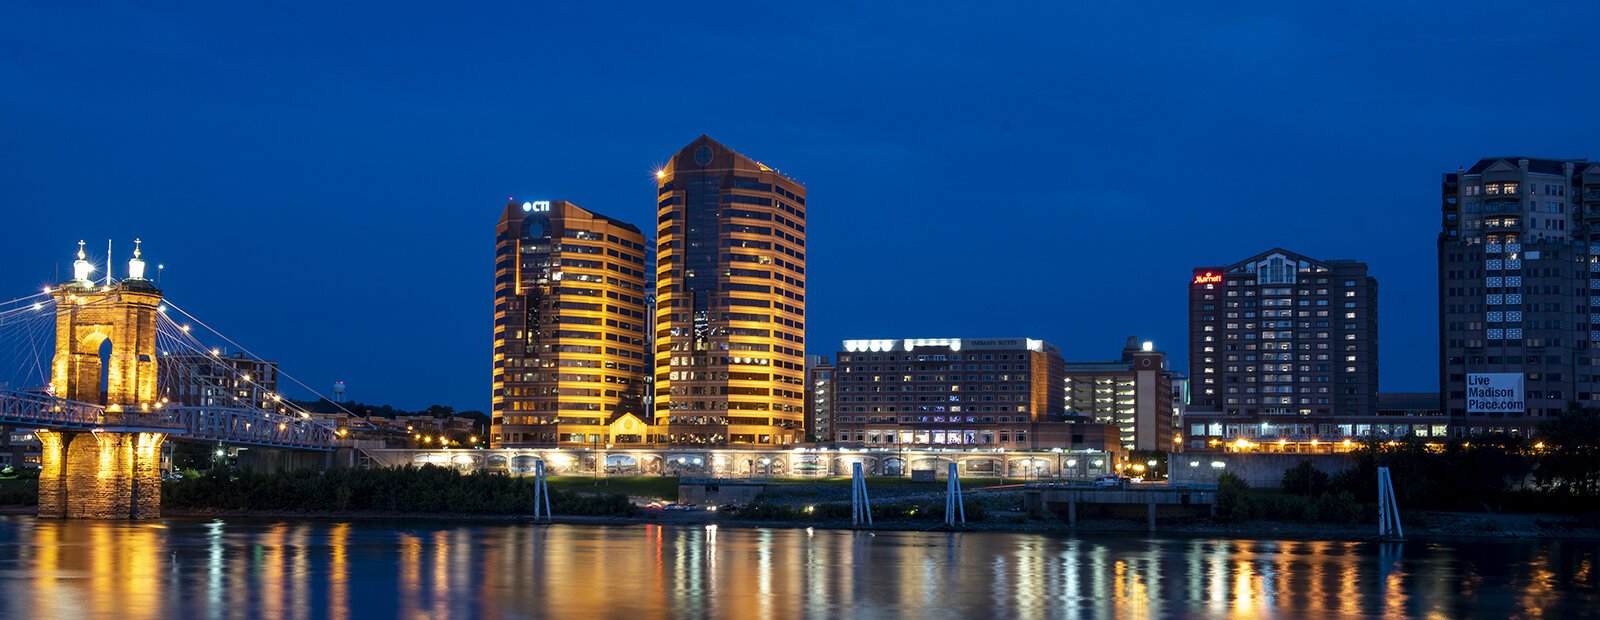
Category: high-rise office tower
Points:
column 1283, row 348
column 1519, row 293
column 730, row 300
column 569, row 328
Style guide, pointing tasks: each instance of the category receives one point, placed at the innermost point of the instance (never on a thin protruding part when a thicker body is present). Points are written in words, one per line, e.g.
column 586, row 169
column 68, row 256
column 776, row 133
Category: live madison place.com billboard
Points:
column 1495, row 393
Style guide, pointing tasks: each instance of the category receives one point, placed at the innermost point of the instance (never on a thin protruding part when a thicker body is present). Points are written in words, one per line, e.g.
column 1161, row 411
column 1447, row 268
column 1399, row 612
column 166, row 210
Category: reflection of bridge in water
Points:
column 94, row 350
column 790, row 463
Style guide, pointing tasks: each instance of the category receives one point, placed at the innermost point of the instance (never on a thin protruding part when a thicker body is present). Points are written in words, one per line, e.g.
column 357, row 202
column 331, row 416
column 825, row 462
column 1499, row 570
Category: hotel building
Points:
column 958, row 393
column 1281, row 347
column 730, row 301
column 569, row 328
column 1134, row 393
column 1519, row 292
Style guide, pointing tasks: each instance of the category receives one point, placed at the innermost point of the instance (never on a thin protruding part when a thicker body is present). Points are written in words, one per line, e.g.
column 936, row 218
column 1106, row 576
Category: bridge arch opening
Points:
column 103, row 373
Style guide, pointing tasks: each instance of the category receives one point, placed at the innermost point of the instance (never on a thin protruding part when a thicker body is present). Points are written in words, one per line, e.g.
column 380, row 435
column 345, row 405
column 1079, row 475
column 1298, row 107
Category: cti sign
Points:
column 1207, row 278
column 538, row 206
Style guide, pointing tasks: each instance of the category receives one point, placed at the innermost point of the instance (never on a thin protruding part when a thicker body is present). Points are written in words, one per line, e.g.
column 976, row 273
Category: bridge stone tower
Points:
column 114, row 470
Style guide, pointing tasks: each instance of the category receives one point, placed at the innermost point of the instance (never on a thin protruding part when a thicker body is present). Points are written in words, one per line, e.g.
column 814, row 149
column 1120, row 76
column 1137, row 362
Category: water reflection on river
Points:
column 241, row 568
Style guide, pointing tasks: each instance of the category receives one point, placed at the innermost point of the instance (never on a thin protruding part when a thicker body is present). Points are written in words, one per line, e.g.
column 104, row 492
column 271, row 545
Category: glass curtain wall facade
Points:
column 570, row 324
column 730, row 296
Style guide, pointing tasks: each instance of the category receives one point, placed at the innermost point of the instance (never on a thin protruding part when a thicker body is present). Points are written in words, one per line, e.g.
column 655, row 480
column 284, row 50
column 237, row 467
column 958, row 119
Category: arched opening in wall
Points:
column 104, row 378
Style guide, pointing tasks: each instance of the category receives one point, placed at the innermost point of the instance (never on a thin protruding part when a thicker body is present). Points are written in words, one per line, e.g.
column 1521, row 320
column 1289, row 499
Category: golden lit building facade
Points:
column 570, row 323
column 730, row 300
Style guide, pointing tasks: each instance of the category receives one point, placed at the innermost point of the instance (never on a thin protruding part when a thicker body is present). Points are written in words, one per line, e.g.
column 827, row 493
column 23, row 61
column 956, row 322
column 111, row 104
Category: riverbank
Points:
column 1439, row 526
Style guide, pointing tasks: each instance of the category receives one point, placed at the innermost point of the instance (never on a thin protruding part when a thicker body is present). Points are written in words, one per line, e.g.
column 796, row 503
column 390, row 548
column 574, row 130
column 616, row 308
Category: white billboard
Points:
column 1495, row 393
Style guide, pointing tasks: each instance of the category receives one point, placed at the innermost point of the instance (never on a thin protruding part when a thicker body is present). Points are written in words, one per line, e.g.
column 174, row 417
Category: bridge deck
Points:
column 239, row 426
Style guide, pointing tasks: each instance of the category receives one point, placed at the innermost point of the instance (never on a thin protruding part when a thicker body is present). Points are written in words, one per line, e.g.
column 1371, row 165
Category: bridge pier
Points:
column 101, row 474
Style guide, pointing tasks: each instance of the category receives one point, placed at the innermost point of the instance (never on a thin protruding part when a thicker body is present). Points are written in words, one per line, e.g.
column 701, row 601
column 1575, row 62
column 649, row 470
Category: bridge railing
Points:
column 30, row 408
column 252, row 426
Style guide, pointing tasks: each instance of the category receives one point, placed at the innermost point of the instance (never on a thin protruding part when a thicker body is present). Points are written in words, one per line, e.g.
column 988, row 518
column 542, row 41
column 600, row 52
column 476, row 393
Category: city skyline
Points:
column 360, row 213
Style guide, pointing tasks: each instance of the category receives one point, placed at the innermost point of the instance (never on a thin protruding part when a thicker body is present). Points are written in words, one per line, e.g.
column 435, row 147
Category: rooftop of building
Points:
column 687, row 153
column 514, row 204
column 1535, row 164
column 952, row 344
column 1133, row 346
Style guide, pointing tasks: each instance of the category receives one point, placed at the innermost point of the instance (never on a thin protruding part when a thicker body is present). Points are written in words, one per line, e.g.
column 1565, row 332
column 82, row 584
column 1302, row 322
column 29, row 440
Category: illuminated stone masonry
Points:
column 114, row 470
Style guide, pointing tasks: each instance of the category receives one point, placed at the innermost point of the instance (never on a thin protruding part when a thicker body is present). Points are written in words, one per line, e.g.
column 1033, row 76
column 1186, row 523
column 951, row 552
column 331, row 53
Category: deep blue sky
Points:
column 323, row 183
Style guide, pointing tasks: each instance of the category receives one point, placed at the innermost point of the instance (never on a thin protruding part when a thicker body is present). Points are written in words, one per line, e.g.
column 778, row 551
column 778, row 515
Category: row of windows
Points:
column 1020, row 387
column 924, row 399
column 853, row 368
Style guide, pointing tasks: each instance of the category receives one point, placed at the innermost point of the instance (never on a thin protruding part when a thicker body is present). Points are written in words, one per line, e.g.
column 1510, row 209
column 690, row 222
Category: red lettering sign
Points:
column 1208, row 278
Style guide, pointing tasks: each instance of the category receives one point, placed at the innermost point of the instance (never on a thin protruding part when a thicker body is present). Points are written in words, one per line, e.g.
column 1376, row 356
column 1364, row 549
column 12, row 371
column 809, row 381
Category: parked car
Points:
column 1109, row 481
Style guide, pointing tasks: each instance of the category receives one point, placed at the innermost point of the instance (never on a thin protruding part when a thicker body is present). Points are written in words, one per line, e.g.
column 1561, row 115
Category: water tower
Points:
column 338, row 391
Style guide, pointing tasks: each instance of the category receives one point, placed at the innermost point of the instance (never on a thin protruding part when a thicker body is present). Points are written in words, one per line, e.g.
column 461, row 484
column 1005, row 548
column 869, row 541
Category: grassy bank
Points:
column 656, row 487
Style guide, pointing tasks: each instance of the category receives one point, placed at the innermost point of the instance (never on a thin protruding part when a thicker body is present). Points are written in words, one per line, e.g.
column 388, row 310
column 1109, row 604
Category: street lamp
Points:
column 1152, row 465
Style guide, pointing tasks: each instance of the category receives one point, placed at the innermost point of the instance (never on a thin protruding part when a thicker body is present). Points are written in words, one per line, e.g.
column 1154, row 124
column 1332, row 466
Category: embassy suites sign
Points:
column 1495, row 393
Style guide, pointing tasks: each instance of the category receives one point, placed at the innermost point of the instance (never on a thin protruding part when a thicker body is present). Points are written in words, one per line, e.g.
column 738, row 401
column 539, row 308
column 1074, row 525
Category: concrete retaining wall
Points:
column 1257, row 469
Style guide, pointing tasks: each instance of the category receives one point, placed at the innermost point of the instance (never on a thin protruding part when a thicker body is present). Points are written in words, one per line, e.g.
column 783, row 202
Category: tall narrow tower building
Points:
column 730, row 297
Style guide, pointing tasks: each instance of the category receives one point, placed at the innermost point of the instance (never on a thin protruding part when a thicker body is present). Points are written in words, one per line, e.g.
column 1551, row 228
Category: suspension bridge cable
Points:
column 179, row 338
column 23, row 300
column 19, row 337
column 252, row 354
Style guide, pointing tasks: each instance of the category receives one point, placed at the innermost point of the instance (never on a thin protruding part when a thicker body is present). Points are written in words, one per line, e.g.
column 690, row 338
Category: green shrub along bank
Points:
column 421, row 490
column 19, row 492
column 1497, row 474
column 885, row 511
column 1236, row 501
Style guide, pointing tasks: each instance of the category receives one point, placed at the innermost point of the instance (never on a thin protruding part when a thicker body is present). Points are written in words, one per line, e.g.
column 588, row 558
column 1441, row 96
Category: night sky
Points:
column 322, row 184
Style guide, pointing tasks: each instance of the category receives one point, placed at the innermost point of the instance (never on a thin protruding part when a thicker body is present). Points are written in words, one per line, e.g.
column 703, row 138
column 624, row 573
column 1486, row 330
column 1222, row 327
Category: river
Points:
column 197, row 568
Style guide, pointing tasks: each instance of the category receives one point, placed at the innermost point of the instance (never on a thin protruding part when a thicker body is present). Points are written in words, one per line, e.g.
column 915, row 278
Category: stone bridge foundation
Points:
column 101, row 474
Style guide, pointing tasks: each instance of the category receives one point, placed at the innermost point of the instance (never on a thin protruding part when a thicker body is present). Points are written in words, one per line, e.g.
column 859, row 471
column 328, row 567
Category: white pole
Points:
column 860, row 506
column 1389, row 527
column 541, row 494
column 954, row 506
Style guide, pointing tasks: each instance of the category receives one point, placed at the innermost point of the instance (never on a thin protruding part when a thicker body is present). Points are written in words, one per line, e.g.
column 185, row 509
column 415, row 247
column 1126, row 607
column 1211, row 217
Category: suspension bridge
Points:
column 108, row 369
